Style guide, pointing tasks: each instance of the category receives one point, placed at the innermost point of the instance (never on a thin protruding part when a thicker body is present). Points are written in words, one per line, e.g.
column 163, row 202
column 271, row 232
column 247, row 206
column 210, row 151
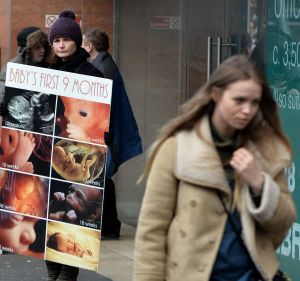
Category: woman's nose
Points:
column 247, row 108
column 28, row 236
column 61, row 44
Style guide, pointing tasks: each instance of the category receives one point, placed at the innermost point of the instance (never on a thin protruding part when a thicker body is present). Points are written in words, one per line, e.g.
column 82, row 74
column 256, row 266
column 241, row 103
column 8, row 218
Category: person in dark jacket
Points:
column 123, row 139
column 34, row 51
column 22, row 37
column 65, row 37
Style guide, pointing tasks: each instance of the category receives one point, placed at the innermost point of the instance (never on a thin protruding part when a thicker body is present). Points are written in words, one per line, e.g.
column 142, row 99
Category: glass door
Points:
column 161, row 48
column 218, row 29
column 204, row 19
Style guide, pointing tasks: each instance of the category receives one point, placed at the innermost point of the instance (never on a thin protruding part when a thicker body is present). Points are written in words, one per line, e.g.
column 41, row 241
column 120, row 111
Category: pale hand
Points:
column 71, row 216
column 59, row 196
column 76, row 132
column 244, row 163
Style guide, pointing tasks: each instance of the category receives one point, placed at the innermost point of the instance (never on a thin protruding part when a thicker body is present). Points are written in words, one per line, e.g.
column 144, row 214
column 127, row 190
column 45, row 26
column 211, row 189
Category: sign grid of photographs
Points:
column 52, row 164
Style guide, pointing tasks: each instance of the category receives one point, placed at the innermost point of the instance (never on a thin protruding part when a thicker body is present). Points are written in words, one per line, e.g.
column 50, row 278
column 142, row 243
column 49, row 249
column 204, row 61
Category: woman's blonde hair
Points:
column 233, row 69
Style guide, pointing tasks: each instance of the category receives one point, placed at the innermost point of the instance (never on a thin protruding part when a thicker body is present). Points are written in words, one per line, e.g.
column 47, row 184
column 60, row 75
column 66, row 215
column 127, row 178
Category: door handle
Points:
column 219, row 45
column 209, row 50
column 219, row 50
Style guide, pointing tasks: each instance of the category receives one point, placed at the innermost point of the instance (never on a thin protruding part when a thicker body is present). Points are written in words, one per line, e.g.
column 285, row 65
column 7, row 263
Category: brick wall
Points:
column 4, row 31
column 93, row 13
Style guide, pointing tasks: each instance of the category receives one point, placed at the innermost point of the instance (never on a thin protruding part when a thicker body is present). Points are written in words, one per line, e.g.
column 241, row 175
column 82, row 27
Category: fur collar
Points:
column 198, row 161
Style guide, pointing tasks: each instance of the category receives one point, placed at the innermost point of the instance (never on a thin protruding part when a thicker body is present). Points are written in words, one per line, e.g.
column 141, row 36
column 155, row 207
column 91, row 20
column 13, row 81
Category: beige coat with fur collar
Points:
column 182, row 220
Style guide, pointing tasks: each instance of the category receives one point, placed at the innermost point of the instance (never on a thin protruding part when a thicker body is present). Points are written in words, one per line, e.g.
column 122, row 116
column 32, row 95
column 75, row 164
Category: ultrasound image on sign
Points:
column 28, row 110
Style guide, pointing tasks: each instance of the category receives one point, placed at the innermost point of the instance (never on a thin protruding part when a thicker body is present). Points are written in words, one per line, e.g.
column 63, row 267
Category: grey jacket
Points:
column 105, row 63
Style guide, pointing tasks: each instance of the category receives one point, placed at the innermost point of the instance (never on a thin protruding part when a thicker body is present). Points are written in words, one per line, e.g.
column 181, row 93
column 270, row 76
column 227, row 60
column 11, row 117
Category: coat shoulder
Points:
column 166, row 151
column 89, row 69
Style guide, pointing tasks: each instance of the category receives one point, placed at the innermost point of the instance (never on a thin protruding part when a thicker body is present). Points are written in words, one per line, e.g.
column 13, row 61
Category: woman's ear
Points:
column 216, row 94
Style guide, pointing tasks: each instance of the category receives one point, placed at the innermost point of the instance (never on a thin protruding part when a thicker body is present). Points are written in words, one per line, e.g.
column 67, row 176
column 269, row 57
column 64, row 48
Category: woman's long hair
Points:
column 52, row 58
column 233, row 69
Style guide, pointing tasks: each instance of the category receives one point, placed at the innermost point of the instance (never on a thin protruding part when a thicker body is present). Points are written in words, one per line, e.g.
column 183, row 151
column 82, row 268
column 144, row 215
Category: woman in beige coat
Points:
column 216, row 204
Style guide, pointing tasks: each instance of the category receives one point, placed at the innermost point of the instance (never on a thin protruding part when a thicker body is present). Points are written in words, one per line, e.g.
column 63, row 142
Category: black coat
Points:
column 123, row 139
column 78, row 64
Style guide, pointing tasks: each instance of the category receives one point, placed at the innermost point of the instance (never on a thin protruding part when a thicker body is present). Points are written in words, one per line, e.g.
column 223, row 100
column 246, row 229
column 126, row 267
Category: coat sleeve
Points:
column 156, row 214
column 276, row 212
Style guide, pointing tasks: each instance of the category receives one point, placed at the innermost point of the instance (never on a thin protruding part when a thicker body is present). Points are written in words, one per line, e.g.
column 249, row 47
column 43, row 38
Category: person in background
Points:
column 65, row 38
column 21, row 42
column 217, row 204
column 22, row 37
column 33, row 50
column 123, row 140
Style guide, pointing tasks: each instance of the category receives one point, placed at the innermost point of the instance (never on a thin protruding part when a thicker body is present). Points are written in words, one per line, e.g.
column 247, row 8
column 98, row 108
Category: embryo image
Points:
column 25, row 151
column 78, row 162
column 77, row 204
column 26, row 194
column 29, row 110
column 82, row 120
column 22, row 234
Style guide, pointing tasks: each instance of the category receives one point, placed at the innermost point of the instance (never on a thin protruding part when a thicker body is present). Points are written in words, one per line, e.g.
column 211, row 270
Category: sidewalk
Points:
column 116, row 256
column 116, row 259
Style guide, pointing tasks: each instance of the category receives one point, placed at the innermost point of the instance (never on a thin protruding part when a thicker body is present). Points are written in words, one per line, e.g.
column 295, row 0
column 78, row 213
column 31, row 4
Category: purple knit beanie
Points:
column 66, row 27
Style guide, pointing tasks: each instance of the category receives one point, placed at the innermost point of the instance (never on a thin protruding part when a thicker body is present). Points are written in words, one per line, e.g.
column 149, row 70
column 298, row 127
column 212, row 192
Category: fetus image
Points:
column 66, row 243
column 75, row 204
column 16, row 148
column 18, row 234
column 20, row 110
column 82, row 120
column 25, row 151
column 78, row 162
column 28, row 110
column 73, row 245
column 26, row 194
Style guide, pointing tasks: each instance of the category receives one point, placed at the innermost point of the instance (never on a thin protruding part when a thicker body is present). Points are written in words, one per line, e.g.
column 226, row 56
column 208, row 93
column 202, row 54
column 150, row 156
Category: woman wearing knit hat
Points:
column 65, row 38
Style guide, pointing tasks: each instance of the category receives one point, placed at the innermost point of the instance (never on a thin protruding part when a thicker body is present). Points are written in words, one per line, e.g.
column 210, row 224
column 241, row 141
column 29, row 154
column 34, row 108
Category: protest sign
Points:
column 52, row 164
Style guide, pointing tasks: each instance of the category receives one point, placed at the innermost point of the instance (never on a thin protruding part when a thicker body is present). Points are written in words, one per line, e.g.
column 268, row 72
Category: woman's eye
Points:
column 239, row 100
column 83, row 113
column 256, row 102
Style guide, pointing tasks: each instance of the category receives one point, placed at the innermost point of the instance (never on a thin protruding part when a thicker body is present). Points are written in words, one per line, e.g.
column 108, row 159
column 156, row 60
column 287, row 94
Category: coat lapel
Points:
column 198, row 161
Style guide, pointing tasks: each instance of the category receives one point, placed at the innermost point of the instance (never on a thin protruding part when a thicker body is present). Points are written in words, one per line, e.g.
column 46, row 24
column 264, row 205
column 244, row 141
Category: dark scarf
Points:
column 79, row 57
column 225, row 149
